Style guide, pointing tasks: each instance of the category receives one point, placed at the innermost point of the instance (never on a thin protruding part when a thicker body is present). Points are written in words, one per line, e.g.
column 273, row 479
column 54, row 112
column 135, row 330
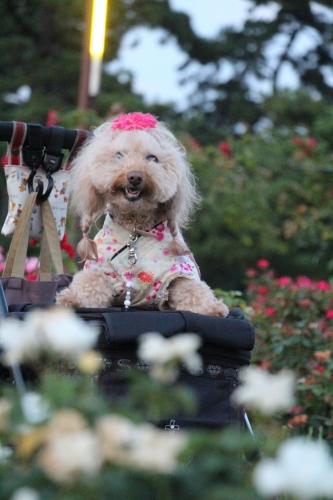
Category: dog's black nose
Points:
column 135, row 178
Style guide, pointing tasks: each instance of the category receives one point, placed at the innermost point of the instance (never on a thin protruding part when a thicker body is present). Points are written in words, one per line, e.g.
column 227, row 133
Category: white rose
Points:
column 62, row 331
column 34, row 407
column 18, row 341
column 165, row 355
column 265, row 392
column 302, row 468
column 73, row 453
column 25, row 493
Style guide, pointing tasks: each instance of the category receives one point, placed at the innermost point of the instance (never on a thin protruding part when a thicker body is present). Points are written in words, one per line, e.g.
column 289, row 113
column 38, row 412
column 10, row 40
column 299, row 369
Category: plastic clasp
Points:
column 41, row 196
column 52, row 162
column 32, row 158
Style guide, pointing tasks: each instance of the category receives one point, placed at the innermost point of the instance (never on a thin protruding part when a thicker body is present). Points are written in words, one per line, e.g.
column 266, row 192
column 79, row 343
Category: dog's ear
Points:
column 180, row 207
column 89, row 204
column 86, row 202
column 87, row 248
column 84, row 197
column 186, row 198
column 177, row 245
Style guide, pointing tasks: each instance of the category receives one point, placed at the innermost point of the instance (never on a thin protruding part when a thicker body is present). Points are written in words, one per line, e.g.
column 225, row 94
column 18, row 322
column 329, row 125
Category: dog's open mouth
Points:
column 132, row 194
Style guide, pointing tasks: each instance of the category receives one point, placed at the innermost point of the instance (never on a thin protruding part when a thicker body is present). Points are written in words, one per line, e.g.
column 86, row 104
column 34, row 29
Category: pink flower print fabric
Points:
column 154, row 270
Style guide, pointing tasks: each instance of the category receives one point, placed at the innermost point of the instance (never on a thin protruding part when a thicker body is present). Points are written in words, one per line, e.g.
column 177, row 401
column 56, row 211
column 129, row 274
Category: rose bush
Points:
column 266, row 193
column 293, row 320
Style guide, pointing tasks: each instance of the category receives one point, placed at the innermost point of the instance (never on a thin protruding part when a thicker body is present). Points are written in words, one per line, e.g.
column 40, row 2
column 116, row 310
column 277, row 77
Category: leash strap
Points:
column 50, row 246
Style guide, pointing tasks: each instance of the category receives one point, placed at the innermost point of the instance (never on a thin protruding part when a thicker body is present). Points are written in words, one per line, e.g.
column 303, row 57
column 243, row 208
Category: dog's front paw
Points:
column 220, row 309
column 89, row 288
column 195, row 296
column 67, row 298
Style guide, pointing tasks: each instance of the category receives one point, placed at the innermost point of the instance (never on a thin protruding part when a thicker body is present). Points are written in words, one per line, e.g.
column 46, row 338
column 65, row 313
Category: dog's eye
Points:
column 152, row 158
column 119, row 154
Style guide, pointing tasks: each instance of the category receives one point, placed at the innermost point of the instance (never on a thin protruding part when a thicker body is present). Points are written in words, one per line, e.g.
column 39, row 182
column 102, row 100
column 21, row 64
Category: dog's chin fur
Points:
column 143, row 209
column 141, row 213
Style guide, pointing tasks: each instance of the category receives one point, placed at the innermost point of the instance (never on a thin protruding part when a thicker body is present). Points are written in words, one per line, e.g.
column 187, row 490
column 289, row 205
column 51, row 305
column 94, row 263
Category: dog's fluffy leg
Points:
column 89, row 288
column 195, row 296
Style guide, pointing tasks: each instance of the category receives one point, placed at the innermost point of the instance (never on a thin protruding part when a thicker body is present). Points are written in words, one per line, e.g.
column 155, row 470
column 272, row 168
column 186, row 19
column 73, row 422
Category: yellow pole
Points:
column 85, row 59
column 96, row 46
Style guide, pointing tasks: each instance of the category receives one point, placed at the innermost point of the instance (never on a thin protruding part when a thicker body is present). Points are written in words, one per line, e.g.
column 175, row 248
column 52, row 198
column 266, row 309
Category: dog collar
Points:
column 139, row 231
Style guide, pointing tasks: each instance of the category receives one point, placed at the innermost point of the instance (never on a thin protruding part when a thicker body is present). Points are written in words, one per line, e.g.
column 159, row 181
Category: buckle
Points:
column 32, row 158
column 52, row 162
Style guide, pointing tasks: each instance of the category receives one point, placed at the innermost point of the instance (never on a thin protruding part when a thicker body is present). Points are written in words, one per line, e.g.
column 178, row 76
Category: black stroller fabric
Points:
column 226, row 346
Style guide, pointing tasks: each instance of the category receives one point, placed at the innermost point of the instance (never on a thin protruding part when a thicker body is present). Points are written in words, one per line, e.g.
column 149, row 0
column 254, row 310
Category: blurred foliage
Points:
column 264, row 195
column 293, row 320
column 45, row 445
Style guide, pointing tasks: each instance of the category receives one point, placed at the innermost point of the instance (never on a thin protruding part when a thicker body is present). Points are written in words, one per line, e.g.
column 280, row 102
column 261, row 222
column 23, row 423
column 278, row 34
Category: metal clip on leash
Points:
column 132, row 259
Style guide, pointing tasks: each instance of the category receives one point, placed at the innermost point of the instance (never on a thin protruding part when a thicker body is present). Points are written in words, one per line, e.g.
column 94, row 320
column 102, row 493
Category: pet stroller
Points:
column 226, row 342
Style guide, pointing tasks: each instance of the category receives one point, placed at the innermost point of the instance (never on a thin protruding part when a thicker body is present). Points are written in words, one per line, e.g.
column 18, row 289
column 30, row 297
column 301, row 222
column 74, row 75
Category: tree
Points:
column 41, row 43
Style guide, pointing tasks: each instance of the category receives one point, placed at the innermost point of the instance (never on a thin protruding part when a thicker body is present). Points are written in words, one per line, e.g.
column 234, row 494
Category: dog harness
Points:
column 154, row 268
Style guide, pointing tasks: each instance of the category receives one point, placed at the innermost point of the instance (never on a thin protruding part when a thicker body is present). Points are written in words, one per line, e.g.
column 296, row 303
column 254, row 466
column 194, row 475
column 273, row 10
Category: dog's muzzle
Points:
column 135, row 185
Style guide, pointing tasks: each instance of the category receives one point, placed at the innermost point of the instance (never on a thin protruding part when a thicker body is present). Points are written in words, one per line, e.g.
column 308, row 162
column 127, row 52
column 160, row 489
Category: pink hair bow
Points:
column 134, row 121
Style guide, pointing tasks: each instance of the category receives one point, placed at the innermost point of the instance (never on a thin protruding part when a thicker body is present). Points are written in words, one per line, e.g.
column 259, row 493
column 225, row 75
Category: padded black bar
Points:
column 6, row 131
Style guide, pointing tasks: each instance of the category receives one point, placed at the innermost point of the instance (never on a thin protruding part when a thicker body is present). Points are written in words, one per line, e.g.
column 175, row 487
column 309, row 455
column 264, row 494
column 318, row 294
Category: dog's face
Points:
column 135, row 171
column 140, row 176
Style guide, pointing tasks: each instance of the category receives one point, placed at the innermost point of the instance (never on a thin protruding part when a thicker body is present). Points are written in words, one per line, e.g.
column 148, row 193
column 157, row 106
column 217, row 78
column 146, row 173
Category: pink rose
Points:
column 225, row 149
column 305, row 302
column 251, row 273
column 270, row 311
column 323, row 286
column 284, row 281
column 263, row 264
column 303, row 281
column 31, row 264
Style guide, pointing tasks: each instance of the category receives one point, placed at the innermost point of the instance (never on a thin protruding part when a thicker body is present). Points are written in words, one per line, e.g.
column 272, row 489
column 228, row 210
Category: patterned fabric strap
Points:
column 14, row 152
column 81, row 137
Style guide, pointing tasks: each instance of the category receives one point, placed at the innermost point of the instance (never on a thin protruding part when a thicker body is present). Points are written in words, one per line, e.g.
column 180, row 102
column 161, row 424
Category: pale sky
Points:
column 154, row 66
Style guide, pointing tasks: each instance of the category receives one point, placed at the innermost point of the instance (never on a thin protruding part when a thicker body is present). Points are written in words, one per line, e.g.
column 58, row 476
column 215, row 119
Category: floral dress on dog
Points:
column 154, row 270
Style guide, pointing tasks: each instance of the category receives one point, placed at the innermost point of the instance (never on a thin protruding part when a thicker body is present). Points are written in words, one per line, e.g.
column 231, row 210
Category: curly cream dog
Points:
column 134, row 170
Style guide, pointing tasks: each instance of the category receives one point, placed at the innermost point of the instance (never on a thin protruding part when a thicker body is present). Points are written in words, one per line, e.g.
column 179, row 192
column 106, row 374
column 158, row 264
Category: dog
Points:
column 135, row 171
